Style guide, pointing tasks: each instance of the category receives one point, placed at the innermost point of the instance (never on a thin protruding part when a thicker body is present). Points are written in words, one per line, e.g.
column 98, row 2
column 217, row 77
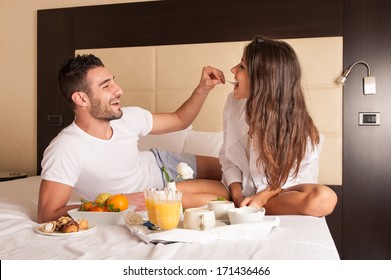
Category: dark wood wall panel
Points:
column 367, row 150
column 55, row 43
column 184, row 22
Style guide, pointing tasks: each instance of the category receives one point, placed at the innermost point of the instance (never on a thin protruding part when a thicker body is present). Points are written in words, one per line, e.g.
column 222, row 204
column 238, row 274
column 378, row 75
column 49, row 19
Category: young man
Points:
column 98, row 152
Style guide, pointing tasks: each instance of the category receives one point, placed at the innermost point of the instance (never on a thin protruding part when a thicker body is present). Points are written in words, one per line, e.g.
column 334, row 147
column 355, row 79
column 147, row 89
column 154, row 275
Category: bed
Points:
column 295, row 237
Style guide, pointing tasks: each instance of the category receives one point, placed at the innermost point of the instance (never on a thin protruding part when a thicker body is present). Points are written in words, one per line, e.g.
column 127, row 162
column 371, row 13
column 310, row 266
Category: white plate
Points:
column 91, row 228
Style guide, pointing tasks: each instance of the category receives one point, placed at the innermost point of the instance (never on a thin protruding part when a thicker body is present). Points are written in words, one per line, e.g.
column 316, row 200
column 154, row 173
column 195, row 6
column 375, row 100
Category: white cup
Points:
column 221, row 207
column 199, row 219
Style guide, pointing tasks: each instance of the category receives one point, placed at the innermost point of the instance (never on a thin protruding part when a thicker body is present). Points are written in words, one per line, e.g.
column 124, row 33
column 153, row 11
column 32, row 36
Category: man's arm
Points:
column 188, row 111
column 52, row 201
column 137, row 199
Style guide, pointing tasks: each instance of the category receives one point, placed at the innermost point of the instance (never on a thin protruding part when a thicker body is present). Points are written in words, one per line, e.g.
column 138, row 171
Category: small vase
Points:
column 171, row 186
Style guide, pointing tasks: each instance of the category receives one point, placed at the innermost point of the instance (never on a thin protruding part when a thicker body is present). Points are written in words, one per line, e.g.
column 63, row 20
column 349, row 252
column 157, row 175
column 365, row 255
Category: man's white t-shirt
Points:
column 93, row 165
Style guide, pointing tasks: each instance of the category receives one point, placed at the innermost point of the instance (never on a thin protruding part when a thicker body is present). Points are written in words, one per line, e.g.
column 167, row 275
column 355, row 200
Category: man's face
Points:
column 105, row 95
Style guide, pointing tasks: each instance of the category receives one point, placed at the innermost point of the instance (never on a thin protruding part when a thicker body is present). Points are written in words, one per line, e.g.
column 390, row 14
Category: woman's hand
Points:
column 238, row 200
column 256, row 201
column 236, row 193
column 260, row 199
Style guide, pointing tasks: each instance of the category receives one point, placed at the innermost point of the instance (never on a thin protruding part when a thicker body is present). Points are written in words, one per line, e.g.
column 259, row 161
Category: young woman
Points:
column 270, row 155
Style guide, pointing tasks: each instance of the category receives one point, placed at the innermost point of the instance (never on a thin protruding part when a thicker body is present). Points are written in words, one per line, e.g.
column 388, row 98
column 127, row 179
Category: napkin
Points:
column 237, row 231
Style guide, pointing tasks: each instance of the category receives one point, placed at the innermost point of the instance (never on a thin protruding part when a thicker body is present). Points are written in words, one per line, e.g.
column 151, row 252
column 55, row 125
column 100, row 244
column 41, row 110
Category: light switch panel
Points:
column 369, row 118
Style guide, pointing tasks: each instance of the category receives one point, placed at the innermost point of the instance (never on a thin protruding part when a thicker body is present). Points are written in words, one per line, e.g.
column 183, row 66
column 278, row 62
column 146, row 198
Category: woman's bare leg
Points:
column 198, row 192
column 208, row 168
column 306, row 199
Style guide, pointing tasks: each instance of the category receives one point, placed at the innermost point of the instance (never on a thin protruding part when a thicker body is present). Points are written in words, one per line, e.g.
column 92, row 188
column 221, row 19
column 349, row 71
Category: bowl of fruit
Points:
column 106, row 209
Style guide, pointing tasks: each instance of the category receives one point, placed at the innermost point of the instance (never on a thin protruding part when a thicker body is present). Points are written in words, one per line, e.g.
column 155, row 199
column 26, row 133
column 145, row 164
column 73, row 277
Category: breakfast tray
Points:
column 220, row 232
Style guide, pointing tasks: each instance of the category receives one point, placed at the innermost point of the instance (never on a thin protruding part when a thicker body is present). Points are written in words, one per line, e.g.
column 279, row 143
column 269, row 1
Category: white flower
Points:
column 184, row 171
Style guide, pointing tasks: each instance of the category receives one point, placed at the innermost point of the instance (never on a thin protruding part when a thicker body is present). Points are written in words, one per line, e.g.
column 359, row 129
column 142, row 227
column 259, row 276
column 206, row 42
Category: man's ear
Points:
column 80, row 98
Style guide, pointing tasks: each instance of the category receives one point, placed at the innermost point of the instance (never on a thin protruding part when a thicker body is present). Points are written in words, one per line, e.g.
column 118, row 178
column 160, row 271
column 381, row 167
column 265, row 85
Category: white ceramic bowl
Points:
column 103, row 218
column 246, row 215
column 221, row 207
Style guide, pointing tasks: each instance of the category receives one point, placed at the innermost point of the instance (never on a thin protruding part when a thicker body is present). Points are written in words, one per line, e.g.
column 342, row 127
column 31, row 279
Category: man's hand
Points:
column 210, row 77
column 188, row 111
column 137, row 199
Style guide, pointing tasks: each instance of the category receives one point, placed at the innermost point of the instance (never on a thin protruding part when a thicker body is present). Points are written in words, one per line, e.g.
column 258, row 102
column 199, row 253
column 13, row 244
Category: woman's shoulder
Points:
column 237, row 104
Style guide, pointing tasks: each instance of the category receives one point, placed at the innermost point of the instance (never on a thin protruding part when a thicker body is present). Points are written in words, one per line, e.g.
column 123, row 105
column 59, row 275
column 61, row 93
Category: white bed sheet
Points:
column 297, row 237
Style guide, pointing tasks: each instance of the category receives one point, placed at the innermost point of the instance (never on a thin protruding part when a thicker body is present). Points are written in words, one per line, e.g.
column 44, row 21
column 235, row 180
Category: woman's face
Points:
column 242, row 89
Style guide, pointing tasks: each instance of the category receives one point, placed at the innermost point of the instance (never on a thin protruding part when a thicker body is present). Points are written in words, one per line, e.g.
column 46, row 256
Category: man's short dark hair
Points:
column 72, row 75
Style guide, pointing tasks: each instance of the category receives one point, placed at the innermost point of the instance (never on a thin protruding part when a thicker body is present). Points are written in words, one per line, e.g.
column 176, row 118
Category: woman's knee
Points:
column 321, row 201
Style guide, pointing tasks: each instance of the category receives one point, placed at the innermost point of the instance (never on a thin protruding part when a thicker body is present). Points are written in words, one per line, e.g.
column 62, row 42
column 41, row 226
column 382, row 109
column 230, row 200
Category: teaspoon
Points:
column 232, row 83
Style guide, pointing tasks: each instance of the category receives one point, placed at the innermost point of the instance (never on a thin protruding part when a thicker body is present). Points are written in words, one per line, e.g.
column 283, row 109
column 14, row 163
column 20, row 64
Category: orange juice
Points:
column 167, row 213
column 150, row 203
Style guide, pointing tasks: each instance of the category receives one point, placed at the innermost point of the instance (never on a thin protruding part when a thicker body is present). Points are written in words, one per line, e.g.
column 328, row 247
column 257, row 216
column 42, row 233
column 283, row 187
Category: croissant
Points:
column 71, row 226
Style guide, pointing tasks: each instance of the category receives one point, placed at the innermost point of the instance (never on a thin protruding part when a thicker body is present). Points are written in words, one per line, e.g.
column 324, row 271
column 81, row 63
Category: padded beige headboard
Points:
column 160, row 78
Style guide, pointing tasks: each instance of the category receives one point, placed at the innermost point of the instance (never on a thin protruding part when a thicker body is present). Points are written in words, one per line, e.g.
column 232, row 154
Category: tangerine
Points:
column 99, row 208
column 117, row 203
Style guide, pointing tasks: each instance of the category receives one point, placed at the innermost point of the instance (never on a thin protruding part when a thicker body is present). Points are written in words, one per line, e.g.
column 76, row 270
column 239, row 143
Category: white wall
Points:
column 18, row 76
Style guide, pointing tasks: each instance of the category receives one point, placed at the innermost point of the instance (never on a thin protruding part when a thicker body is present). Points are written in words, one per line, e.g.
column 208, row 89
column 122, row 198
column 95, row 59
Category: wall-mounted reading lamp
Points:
column 369, row 82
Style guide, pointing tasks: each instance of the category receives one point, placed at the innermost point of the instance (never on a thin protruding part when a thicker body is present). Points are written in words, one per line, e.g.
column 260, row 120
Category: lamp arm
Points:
column 347, row 72
column 369, row 82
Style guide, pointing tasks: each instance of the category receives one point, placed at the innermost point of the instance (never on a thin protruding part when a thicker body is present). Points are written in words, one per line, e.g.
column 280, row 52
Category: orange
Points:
column 117, row 203
column 98, row 208
column 86, row 205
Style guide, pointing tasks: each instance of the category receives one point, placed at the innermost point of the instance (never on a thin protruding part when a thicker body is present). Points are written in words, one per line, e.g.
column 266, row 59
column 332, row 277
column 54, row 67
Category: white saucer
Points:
column 220, row 223
column 226, row 222
column 217, row 224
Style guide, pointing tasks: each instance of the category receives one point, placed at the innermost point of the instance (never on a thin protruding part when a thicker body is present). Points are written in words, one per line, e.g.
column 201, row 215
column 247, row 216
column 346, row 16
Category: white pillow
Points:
column 173, row 141
column 204, row 143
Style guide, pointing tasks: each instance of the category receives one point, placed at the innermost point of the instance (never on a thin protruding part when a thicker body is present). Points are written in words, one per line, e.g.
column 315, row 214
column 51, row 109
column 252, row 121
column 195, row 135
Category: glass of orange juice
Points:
column 168, row 207
column 150, row 204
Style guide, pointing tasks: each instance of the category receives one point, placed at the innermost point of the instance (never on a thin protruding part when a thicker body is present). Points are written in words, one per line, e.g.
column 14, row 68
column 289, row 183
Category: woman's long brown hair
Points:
column 279, row 122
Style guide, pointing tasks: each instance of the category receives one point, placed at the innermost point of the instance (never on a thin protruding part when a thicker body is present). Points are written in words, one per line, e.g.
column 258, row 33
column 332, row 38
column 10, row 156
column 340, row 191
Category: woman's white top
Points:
column 239, row 161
